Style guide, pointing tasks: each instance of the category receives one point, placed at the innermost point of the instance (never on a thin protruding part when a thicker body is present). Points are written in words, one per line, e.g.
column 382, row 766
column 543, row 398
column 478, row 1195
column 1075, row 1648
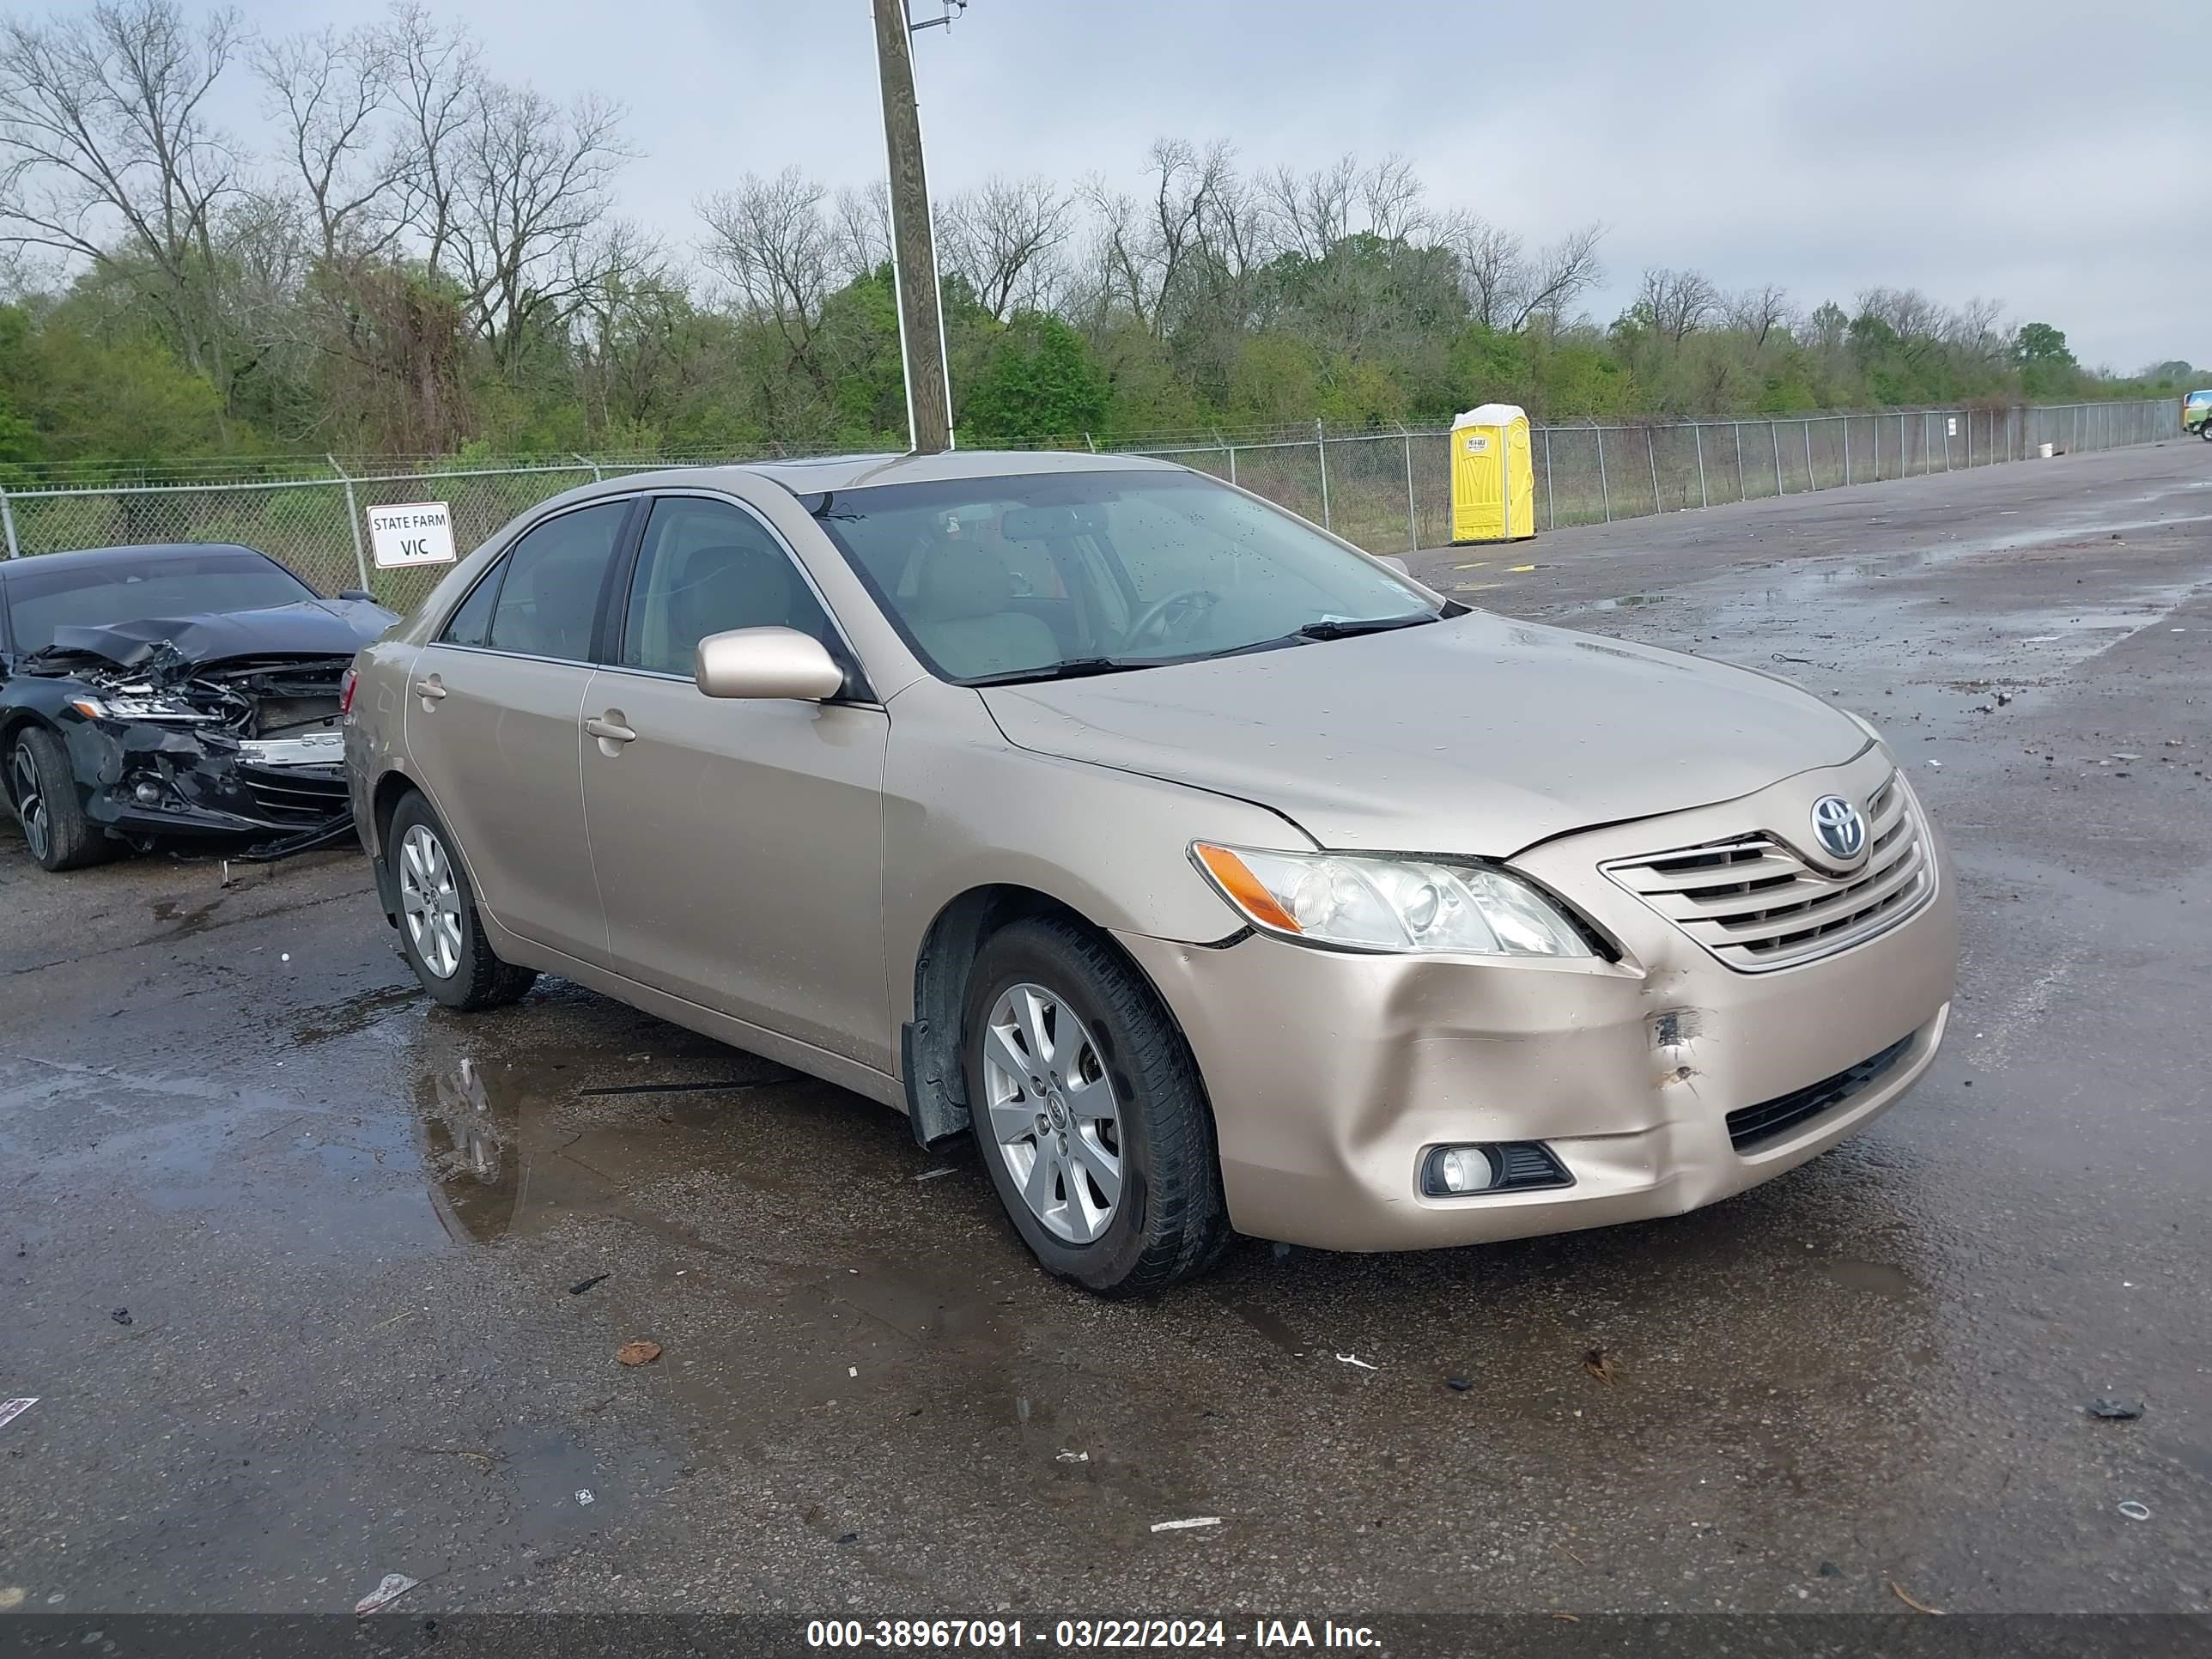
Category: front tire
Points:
column 1089, row 1112
column 440, row 933
column 44, row 790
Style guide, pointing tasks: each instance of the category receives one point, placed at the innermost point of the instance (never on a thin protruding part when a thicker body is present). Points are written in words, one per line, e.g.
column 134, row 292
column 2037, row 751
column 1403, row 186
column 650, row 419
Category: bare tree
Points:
column 1506, row 285
column 1313, row 211
column 1759, row 313
column 108, row 154
column 328, row 94
column 770, row 240
column 438, row 74
column 1001, row 237
column 1143, row 247
column 1395, row 199
column 1677, row 303
column 861, row 229
column 530, row 197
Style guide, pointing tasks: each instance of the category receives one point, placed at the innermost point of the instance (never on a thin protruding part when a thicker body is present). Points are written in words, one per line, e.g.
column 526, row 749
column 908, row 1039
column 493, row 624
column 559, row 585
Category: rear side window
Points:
column 472, row 624
column 548, row 596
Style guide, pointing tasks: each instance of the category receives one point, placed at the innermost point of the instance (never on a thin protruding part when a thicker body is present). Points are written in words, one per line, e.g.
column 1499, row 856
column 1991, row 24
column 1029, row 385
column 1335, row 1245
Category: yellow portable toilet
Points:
column 1493, row 477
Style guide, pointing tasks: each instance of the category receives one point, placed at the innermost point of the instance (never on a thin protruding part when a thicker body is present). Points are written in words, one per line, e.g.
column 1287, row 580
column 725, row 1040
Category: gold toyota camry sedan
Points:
column 1216, row 876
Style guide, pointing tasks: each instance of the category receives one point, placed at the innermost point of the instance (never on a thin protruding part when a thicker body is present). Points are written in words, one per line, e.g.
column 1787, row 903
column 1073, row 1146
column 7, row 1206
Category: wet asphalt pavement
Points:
column 314, row 1282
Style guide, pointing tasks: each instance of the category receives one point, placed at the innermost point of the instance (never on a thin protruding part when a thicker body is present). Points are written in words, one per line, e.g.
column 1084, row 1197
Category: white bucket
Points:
column 2044, row 451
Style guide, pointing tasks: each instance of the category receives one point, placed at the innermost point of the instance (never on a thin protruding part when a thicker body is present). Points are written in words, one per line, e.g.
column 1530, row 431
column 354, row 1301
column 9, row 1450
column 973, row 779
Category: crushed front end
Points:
column 248, row 747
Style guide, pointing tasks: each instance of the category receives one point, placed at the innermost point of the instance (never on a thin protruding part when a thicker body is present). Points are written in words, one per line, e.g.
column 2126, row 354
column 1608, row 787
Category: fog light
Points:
column 148, row 794
column 1492, row 1167
column 1461, row 1169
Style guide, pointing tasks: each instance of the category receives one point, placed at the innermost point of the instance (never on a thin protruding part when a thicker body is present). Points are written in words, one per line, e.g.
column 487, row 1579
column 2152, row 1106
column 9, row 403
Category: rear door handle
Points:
column 612, row 731
column 432, row 688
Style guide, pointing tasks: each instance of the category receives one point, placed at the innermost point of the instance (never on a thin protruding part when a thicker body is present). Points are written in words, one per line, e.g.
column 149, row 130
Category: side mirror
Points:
column 766, row 662
column 357, row 593
column 1395, row 564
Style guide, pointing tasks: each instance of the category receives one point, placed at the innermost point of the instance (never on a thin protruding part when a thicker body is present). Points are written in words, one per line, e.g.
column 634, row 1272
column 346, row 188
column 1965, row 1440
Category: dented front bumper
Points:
column 141, row 779
column 1332, row 1074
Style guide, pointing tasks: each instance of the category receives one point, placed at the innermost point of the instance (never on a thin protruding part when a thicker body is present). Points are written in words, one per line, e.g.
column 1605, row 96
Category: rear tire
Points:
column 2205, row 431
column 1089, row 1112
column 43, row 790
column 440, row 933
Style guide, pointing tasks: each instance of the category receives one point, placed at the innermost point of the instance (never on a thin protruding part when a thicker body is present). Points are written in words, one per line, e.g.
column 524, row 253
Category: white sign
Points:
column 419, row 533
column 1477, row 444
column 1951, row 426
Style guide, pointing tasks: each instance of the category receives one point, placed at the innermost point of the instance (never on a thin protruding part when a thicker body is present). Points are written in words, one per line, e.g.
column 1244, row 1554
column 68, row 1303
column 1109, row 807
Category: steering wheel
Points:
column 1198, row 597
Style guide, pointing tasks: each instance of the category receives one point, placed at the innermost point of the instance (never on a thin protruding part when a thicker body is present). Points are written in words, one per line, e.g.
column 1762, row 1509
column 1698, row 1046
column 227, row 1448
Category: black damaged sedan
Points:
column 148, row 693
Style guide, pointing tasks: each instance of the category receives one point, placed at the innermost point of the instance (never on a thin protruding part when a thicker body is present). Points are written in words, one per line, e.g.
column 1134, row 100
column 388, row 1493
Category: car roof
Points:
column 812, row 477
column 150, row 553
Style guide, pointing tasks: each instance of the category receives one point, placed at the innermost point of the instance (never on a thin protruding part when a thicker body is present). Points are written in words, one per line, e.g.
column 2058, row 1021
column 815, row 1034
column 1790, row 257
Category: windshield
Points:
column 199, row 583
column 2197, row 400
column 1045, row 576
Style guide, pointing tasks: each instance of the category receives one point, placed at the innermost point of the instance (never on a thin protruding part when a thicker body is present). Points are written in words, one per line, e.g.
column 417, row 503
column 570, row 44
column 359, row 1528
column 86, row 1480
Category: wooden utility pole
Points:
column 913, row 247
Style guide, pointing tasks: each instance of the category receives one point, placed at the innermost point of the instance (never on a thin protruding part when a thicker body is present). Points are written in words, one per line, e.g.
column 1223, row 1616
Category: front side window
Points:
column 706, row 567
column 1044, row 575
column 548, row 594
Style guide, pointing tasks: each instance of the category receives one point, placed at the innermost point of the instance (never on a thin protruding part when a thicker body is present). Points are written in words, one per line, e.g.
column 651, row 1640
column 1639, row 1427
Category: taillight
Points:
column 345, row 690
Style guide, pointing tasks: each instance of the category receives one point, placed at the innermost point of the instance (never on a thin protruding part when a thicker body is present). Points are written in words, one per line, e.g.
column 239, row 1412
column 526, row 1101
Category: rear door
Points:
column 738, row 842
column 494, row 712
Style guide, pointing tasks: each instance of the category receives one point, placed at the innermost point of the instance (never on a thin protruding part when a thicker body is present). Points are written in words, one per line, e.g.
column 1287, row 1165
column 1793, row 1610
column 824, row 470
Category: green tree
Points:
column 1037, row 379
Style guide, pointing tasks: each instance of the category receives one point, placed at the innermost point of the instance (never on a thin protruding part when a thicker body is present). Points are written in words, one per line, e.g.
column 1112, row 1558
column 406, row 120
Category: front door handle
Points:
column 430, row 690
column 608, row 729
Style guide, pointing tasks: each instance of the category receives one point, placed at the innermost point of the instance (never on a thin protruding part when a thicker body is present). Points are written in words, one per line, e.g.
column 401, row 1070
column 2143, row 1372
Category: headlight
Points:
column 141, row 708
column 1391, row 904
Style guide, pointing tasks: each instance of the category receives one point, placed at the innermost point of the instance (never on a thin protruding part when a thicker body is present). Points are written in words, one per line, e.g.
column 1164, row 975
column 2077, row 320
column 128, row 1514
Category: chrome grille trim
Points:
column 1757, row 903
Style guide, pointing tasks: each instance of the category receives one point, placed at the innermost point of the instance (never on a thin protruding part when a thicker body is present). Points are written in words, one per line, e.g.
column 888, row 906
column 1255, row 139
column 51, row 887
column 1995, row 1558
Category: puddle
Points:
column 356, row 1014
column 1627, row 601
column 197, row 920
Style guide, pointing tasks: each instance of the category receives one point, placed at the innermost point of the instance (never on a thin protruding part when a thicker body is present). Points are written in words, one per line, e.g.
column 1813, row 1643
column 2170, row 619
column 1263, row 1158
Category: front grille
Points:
column 1755, row 1126
column 1757, row 903
column 296, row 794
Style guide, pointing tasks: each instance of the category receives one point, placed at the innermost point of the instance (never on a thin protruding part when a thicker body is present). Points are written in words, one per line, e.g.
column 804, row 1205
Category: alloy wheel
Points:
column 429, row 902
column 1054, row 1118
column 30, row 804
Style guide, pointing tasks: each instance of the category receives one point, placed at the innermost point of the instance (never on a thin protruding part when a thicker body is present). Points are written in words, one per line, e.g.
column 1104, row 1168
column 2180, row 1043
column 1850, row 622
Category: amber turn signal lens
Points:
column 1245, row 889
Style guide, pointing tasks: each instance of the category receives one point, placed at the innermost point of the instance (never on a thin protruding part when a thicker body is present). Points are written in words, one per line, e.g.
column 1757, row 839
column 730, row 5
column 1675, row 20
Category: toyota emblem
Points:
column 1839, row 827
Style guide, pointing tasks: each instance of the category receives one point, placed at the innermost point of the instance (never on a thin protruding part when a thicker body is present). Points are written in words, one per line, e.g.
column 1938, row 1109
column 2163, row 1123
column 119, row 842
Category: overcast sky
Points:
column 2052, row 156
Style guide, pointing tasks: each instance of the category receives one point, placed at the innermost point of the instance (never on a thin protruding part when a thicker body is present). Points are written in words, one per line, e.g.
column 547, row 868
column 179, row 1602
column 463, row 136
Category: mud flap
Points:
column 933, row 1112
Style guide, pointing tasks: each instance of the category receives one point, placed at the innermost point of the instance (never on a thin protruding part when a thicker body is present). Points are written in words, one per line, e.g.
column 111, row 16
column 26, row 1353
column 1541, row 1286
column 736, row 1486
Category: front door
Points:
column 494, row 712
column 738, row 842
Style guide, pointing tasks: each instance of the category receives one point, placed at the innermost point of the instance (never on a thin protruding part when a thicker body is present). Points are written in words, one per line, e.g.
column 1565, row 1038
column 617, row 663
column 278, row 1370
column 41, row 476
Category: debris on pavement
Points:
column 638, row 1353
column 1599, row 1365
column 932, row 1175
column 1459, row 1384
column 121, row 1316
column 392, row 1587
column 583, row 1284
column 1184, row 1525
column 2114, row 1411
column 584, row 1495
column 2135, row 1511
column 1073, row 1457
column 1908, row 1598
column 849, row 1538
column 1354, row 1360
column 12, row 1409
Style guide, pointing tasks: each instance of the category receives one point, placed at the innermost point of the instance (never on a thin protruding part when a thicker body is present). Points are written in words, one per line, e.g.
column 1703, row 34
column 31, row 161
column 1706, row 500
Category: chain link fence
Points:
column 1387, row 491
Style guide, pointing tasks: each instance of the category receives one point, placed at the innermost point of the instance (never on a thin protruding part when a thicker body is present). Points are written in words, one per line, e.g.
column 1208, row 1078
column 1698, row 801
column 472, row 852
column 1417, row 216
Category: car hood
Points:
column 309, row 628
column 1477, row 736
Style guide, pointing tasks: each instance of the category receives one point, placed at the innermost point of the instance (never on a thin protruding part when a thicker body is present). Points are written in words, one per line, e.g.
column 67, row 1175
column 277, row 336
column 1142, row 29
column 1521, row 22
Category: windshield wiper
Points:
column 1344, row 628
column 1074, row 668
